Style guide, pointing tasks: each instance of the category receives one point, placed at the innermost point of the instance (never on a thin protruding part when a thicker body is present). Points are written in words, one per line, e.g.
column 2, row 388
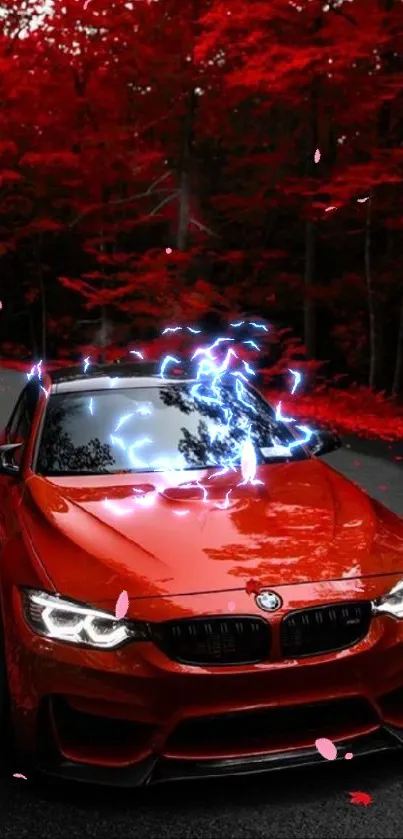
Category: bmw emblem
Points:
column 269, row 601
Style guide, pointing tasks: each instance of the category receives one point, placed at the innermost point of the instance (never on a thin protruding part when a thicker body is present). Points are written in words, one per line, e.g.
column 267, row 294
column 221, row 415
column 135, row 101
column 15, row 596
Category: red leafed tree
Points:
column 293, row 65
column 143, row 118
column 170, row 170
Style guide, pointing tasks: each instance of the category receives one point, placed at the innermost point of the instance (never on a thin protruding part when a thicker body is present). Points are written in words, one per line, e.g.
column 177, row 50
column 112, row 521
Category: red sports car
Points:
column 263, row 613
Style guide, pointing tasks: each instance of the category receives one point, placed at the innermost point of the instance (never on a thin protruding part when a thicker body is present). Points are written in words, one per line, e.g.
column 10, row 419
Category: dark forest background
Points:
column 161, row 160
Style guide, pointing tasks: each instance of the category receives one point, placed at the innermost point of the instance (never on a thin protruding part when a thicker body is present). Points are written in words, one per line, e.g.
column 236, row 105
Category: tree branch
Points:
column 164, row 201
column 119, row 201
column 202, row 227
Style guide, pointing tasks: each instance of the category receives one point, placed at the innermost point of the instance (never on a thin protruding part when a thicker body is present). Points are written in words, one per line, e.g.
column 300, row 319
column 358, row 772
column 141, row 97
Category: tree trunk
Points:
column 309, row 280
column 312, row 142
column 103, row 333
column 34, row 346
column 42, row 294
column 397, row 387
column 183, row 221
column 372, row 320
column 184, row 177
column 43, row 315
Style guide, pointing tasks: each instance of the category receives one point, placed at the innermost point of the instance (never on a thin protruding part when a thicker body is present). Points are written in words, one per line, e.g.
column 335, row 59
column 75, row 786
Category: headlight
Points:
column 63, row 620
column 391, row 603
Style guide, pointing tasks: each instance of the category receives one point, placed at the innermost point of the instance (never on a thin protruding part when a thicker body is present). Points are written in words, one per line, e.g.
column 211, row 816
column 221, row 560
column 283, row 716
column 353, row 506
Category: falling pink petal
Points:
column 1, row 305
column 231, row 606
column 326, row 748
column 328, row 209
column 122, row 605
column 362, row 200
column 248, row 461
column 383, row 486
column 18, row 775
column 168, row 250
column 348, row 756
column 317, row 156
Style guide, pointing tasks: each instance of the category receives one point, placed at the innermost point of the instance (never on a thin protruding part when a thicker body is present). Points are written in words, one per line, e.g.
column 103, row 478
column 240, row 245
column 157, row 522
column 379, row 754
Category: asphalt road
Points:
column 312, row 803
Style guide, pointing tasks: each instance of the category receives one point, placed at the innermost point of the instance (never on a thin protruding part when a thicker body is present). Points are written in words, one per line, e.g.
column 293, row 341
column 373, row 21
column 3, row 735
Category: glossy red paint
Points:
column 307, row 533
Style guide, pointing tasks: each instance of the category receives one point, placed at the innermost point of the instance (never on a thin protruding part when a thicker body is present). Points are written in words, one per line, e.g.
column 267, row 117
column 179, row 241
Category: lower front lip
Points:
column 157, row 770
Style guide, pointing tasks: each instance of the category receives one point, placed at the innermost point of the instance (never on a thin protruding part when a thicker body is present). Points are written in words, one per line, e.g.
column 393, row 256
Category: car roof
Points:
column 106, row 376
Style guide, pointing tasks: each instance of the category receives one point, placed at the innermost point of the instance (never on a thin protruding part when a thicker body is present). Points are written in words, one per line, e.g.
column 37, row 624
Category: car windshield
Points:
column 181, row 426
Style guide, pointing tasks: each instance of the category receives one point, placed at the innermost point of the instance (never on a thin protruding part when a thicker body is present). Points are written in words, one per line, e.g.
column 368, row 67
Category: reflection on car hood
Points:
column 305, row 523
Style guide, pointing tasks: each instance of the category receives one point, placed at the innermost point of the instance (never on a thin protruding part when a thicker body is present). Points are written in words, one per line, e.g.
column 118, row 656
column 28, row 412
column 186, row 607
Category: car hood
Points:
column 304, row 523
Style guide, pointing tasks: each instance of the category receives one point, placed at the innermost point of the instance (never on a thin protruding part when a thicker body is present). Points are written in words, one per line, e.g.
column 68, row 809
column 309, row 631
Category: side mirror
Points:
column 324, row 442
column 7, row 464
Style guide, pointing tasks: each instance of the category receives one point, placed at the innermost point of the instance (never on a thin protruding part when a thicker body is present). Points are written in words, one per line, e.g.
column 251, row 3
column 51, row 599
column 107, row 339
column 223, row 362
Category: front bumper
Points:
column 134, row 717
column 158, row 770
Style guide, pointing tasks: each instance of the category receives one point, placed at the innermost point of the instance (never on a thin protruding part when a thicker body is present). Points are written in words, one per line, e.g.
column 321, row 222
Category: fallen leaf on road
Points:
column 359, row 797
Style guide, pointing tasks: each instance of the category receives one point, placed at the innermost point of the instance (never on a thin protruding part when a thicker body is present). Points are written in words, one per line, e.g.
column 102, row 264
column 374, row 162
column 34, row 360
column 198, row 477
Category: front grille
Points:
column 324, row 629
column 216, row 640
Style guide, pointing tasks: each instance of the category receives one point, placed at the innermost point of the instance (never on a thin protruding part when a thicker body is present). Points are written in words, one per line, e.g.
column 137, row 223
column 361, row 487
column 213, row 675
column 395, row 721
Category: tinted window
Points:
column 15, row 418
column 157, row 428
column 21, row 421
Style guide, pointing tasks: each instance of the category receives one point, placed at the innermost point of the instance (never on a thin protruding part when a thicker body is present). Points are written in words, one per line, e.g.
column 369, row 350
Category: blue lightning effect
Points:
column 208, row 367
column 308, row 435
column 117, row 441
column 225, row 505
column 134, row 460
column 258, row 325
column 249, row 370
column 91, row 407
column 297, row 379
column 241, row 392
column 199, row 486
column 169, row 359
column 252, row 344
column 209, row 350
column 35, row 370
column 144, row 411
column 279, row 416
column 87, row 362
column 208, row 388
column 180, row 329
column 287, row 450
column 122, row 421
